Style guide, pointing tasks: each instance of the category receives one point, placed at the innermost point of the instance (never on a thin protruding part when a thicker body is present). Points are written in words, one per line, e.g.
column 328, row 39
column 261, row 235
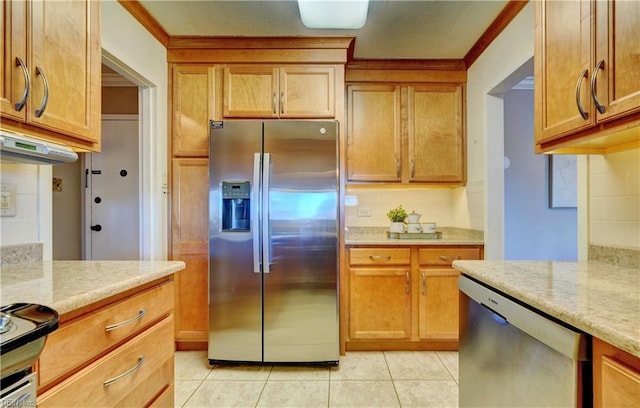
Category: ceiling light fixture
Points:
column 333, row 14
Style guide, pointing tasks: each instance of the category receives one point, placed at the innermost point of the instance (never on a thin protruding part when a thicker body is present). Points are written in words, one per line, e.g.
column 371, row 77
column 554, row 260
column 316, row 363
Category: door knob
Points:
column 96, row 227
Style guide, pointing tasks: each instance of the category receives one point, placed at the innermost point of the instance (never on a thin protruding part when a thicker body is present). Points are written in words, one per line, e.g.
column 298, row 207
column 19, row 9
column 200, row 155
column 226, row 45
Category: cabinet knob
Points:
column 96, row 228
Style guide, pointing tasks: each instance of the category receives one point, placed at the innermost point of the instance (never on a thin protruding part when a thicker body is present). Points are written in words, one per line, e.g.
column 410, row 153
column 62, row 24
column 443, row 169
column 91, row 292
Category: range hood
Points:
column 17, row 148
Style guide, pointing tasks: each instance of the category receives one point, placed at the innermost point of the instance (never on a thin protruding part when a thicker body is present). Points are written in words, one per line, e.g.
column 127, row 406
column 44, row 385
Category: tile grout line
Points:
column 264, row 386
column 193, row 392
column 446, row 368
column 393, row 382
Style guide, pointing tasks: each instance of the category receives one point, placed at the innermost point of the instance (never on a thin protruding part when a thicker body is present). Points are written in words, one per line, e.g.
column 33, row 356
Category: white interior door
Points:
column 113, row 189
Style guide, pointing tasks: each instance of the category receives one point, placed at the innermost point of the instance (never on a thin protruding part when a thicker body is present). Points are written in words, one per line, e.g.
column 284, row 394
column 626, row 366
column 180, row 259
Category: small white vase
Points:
column 396, row 227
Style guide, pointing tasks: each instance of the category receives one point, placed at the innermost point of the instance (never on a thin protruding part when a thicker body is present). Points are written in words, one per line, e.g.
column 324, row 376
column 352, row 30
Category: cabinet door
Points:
column 436, row 134
column 193, row 106
column 374, row 133
column 250, row 91
column 190, row 243
column 618, row 54
column 439, row 310
column 307, row 92
column 616, row 376
column 65, row 65
column 13, row 78
column 380, row 303
column 562, row 68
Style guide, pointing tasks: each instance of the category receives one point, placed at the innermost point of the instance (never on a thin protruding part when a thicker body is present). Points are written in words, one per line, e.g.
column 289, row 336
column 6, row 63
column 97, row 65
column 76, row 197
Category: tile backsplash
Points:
column 614, row 199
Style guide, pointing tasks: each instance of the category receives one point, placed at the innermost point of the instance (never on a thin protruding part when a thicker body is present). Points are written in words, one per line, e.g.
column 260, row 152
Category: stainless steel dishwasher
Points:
column 513, row 356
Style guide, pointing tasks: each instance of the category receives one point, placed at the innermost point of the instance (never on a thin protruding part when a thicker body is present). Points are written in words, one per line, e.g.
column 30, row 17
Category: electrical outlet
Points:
column 364, row 212
column 7, row 200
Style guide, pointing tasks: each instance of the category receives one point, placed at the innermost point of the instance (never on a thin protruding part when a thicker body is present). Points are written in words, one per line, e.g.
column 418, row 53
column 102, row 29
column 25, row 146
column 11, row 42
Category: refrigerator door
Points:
column 301, row 241
column 235, row 281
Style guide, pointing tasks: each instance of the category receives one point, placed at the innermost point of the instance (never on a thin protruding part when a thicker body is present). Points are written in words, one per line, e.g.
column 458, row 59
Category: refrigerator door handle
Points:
column 266, row 232
column 255, row 225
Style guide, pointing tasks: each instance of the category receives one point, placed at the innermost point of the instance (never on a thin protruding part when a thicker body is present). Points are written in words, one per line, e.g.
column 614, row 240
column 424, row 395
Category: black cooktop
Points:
column 22, row 323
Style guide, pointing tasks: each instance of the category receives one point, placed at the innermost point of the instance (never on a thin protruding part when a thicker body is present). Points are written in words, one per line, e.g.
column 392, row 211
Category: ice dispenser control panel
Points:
column 236, row 206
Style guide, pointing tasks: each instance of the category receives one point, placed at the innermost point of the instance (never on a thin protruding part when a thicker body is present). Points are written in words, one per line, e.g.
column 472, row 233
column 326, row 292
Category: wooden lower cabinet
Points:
column 114, row 355
column 438, row 310
column 380, row 303
column 616, row 377
column 403, row 298
column 190, row 243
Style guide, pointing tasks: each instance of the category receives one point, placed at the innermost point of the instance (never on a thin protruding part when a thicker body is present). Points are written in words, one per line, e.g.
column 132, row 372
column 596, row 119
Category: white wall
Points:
column 614, row 199
column 532, row 230
column 131, row 48
column 484, row 205
column 435, row 205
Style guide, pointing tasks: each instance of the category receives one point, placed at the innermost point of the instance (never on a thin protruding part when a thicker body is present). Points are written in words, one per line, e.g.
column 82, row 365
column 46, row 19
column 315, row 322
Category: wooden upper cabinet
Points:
column 250, row 92
column 374, row 133
column 307, row 92
column 60, row 52
column 436, row 134
column 618, row 52
column 587, row 76
column 14, row 72
column 193, row 102
column 562, row 68
column 408, row 134
column 265, row 91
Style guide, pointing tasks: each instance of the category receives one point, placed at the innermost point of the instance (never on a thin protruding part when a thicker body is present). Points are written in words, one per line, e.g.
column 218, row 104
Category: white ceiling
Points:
column 395, row 29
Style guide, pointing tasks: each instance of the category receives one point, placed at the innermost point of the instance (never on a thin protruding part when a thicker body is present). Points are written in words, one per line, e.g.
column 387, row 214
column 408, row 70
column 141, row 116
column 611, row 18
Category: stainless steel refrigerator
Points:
column 273, row 231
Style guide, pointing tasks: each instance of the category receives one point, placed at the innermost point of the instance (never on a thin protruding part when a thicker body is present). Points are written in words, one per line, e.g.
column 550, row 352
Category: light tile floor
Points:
column 362, row 379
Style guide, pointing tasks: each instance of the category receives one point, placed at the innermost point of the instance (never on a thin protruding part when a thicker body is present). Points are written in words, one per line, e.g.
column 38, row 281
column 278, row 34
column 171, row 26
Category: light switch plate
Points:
column 7, row 200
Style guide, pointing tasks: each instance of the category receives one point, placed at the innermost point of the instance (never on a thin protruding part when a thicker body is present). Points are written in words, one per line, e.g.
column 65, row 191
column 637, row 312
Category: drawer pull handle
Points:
column 450, row 258
column 126, row 322
column 126, row 373
column 380, row 257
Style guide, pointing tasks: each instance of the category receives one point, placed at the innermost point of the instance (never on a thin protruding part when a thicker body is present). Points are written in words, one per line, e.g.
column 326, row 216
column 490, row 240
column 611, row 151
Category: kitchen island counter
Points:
column 600, row 299
column 66, row 286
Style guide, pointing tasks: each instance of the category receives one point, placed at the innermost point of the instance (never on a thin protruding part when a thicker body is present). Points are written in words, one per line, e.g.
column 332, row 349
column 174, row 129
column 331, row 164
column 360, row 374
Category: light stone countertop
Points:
column 378, row 236
column 69, row 285
column 598, row 298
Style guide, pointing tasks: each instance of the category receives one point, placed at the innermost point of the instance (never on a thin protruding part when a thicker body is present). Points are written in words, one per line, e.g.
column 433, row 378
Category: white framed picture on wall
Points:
column 563, row 176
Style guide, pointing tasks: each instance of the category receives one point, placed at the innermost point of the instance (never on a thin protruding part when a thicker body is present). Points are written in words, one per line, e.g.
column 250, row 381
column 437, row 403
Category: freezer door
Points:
column 235, row 288
column 301, row 241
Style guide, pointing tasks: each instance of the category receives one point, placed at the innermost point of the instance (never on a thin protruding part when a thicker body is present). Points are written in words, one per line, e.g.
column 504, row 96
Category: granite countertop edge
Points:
column 613, row 326
column 67, row 286
column 378, row 236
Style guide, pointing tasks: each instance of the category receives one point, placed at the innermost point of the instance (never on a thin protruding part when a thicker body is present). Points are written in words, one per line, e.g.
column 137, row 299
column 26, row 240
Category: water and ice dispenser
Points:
column 236, row 206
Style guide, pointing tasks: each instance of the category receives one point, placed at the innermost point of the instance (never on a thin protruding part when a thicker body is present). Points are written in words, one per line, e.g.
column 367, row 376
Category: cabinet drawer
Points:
column 445, row 256
column 379, row 256
column 78, row 342
column 138, row 371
